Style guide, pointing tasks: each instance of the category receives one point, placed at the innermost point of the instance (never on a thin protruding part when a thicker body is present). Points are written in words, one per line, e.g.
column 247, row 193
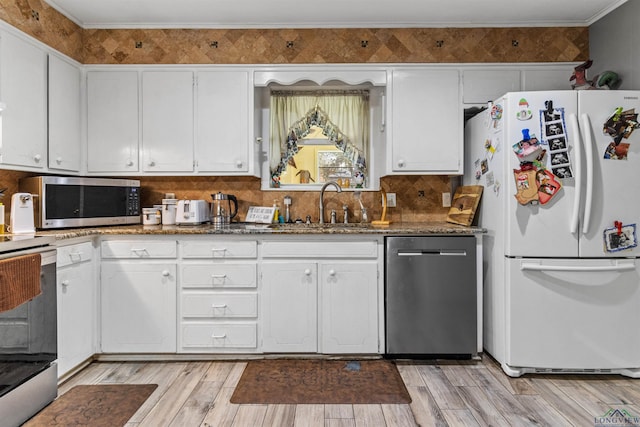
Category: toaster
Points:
column 192, row 212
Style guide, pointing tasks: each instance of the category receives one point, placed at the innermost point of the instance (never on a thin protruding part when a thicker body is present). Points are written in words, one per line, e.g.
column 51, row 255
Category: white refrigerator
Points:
column 561, row 200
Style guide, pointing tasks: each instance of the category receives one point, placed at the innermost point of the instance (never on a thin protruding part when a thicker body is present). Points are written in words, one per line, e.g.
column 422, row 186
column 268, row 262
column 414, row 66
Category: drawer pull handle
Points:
column 219, row 336
column 218, row 276
column 165, row 273
column 75, row 255
column 138, row 249
column 65, row 283
column 219, row 306
column 332, row 272
column 218, row 249
column 307, row 272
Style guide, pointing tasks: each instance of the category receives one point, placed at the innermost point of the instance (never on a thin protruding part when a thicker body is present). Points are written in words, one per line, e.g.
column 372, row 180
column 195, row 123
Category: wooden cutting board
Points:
column 464, row 204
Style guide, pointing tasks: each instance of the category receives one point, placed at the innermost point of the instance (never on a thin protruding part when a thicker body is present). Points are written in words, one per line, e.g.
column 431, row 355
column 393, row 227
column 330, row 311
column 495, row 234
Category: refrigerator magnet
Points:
column 548, row 185
column 616, row 151
column 528, row 148
column 621, row 124
column 620, row 238
column 523, row 113
column 484, row 166
column 490, row 180
column 527, row 190
column 491, row 150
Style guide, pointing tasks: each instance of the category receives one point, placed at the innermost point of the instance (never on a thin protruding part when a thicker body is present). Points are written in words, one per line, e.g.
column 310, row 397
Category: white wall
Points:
column 613, row 45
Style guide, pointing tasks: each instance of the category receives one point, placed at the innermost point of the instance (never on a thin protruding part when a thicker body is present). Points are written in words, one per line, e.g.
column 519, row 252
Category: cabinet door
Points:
column 167, row 121
column 23, row 90
column 138, row 307
column 76, row 315
column 112, row 121
column 427, row 131
column 289, row 307
column 349, row 307
column 548, row 78
column 64, row 115
column 482, row 86
column 222, row 122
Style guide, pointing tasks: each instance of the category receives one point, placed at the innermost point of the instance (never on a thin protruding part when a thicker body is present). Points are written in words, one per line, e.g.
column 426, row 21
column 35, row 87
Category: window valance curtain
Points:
column 343, row 117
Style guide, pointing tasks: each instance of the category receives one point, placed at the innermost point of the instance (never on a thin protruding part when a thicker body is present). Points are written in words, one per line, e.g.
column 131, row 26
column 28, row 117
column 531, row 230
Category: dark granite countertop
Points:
column 268, row 229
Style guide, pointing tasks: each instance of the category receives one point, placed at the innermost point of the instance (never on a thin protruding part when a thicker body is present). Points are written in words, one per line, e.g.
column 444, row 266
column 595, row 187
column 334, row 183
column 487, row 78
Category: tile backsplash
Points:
column 295, row 45
column 411, row 205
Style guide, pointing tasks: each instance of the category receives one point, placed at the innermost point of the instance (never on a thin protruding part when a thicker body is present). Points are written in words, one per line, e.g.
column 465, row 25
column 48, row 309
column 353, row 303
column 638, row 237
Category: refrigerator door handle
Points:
column 530, row 266
column 588, row 149
column 575, row 129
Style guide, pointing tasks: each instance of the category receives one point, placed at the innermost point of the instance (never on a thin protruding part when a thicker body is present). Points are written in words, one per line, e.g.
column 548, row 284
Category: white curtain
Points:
column 347, row 110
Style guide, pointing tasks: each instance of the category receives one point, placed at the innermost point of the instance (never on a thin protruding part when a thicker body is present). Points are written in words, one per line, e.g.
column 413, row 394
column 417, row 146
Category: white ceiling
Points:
column 332, row 13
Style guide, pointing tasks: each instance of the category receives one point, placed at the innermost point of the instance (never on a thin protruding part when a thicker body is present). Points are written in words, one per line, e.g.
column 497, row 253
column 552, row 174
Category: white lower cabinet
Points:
column 349, row 307
column 76, row 282
column 289, row 302
column 218, row 309
column 241, row 295
column 311, row 304
column 138, row 296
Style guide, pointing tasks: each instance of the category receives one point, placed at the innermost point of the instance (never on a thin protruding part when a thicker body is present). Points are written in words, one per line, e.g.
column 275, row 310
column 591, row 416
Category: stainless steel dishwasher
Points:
column 431, row 296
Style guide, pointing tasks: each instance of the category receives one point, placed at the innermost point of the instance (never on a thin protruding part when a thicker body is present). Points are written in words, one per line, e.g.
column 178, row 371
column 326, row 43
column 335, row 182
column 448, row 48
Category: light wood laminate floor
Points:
column 465, row 393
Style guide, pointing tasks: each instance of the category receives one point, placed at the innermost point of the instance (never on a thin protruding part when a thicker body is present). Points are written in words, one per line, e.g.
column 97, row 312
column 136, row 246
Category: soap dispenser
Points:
column 276, row 212
column 287, row 203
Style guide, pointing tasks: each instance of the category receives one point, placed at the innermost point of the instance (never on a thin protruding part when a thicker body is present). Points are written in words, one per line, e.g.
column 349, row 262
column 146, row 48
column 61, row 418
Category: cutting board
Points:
column 464, row 204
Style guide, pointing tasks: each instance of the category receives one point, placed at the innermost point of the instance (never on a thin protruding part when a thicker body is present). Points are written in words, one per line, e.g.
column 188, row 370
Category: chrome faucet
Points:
column 324, row 187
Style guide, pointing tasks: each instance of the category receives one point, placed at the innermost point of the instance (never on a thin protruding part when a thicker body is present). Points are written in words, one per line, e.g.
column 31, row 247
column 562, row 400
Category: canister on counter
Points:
column 151, row 216
column 169, row 211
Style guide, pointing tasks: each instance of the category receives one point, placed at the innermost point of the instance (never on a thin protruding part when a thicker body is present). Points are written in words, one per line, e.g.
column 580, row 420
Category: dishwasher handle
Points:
column 431, row 252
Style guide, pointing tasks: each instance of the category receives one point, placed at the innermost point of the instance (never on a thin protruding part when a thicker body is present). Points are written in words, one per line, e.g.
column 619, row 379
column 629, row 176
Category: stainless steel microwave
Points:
column 61, row 202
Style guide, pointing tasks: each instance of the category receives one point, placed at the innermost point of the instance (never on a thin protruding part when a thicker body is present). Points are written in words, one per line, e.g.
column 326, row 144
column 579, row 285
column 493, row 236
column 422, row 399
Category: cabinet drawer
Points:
column 220, row 249
column 220, row 305
column 219, row 275
column 139, row 249
column 320, row 249
column 74, row 254
column 207, row 336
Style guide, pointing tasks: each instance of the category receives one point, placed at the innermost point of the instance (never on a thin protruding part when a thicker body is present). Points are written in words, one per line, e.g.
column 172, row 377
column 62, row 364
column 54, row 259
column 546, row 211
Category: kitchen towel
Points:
column 19, row 280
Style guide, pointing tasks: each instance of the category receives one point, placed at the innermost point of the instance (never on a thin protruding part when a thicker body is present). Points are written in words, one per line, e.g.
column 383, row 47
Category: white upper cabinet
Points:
column 223, row 122
column 426, row 122
column 167, row 121
column 484, row 85
column 65, row 144
column 112, row 121
column 551, row 77
column 23, row 91
column 488, row 83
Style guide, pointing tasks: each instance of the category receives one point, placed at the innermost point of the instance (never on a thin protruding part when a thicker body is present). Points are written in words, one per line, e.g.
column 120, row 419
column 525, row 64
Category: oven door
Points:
column 28, row 349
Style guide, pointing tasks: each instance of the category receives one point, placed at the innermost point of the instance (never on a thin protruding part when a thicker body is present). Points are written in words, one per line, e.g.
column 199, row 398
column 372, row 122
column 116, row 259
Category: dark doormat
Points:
column 94, row 405
column 320, row 381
